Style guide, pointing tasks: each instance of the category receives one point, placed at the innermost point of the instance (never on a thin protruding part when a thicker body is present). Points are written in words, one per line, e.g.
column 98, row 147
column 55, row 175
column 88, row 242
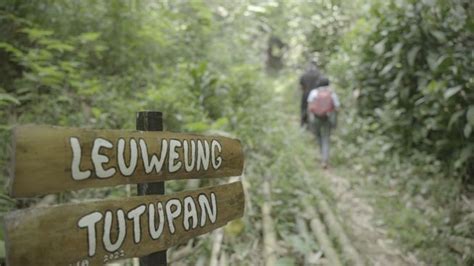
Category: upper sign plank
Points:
column 53, row 159
column 95, row 233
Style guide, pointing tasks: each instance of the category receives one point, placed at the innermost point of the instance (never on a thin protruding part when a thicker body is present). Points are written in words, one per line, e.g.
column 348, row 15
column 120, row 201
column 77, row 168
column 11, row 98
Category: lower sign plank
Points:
column 97, row 232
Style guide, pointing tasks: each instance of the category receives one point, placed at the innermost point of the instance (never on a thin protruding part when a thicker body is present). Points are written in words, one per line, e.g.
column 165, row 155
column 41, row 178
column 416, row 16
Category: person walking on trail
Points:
column 323, row 104
column 308, row 81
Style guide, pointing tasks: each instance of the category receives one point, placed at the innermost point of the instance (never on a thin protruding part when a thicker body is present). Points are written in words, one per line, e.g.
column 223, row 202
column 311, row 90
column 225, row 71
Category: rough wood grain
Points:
column 53, row 236
column 44, row 158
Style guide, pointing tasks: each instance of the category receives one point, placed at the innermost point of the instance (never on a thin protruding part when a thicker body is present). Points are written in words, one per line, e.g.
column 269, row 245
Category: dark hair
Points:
column 324, row 81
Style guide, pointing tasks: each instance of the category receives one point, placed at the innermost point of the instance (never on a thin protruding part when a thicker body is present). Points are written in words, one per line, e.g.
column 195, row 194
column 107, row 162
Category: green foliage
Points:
column 329, row 22
column 411, row 68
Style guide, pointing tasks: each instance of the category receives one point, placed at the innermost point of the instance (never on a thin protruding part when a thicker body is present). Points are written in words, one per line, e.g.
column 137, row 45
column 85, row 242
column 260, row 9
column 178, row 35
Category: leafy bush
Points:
column 413, row 78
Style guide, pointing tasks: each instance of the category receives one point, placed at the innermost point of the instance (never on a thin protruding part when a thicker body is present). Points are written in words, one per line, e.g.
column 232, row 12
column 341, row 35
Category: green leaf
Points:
column 386, row 69
column 61, row 47
column 451, row 91
column 197, row 127
column 420, row 101
column 11, row 49
column 432, row 59
column 220, row 123
column 435, row 61
column 397, row 48
column 433, row 87
column 439, row 35
column 440, row 61
column 35, row 33
column 411, row 56
column 466, row 152
column 96, row 112
column 89, row 36
column 470, row 115
column 455, row 117
column 380, row 47
column 5, row 97
column 467, row 131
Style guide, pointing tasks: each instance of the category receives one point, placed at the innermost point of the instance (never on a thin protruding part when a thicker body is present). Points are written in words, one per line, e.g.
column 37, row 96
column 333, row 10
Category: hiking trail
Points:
column 369, row 239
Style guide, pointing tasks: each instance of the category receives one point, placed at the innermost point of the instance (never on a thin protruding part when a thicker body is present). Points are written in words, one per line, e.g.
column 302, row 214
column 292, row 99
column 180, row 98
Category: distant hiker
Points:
column 308, row 81
column 323, row 104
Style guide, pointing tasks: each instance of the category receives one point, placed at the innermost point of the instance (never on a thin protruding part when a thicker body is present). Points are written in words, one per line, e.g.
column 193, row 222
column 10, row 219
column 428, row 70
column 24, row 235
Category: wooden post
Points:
column 151, row 121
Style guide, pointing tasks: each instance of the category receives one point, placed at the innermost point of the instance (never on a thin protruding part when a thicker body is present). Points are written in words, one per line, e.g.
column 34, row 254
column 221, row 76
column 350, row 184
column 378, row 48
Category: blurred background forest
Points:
column 403, row 69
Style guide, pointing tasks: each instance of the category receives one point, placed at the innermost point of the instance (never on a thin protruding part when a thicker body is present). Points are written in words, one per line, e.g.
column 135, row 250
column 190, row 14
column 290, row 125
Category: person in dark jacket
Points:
column 308, row 81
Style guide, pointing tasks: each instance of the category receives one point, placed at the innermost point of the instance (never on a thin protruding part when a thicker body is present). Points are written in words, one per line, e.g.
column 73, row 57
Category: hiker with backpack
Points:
column 323, row 104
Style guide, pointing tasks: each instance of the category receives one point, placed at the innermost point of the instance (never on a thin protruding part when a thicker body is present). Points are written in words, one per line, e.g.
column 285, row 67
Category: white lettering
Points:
column 171, row 215
column 154, row 162
column 216, row 160
column 108, row 227
column 203, row 155
column 89, row 222
column 134, row 215
column 189, row 213
column 99, row 159
column 183, row 210
column 77, row 174
column 192, row 155
column 172, row 166
column 189, row 165
column 205, row 208
column 155, row 233
column 127, row 171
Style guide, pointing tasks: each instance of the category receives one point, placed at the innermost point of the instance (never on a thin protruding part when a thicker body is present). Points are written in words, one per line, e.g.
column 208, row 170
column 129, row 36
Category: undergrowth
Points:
column 422, row 209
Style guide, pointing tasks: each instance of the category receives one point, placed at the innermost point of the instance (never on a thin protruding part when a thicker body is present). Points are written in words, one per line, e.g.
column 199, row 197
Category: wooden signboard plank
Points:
column 97, row 232
column 53, row 159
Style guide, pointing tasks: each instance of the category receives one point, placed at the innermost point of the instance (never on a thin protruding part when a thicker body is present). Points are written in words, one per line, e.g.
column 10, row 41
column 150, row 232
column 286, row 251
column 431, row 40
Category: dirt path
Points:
column 370, row 240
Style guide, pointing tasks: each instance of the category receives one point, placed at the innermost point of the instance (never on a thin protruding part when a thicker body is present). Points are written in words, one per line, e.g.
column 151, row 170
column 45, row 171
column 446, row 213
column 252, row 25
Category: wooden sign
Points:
column 53, row 159
column 94, row 233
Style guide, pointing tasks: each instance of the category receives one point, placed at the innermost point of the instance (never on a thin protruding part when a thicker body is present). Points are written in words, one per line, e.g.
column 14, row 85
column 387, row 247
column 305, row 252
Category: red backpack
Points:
column 323, row 103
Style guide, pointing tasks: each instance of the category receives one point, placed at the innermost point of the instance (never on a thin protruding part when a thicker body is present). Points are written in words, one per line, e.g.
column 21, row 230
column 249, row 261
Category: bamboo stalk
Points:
column 193, row 183
column 460, row 244
column 321, row 235
column 336, row 229
column 136, row 262
column 201, row 261
column 179, row 254
column 216, row 247
column 303, row 231
column 223, row 261
column 269, row 238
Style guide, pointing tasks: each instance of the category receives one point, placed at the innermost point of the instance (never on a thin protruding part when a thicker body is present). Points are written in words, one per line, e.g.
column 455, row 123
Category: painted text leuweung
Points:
column 83, row 158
